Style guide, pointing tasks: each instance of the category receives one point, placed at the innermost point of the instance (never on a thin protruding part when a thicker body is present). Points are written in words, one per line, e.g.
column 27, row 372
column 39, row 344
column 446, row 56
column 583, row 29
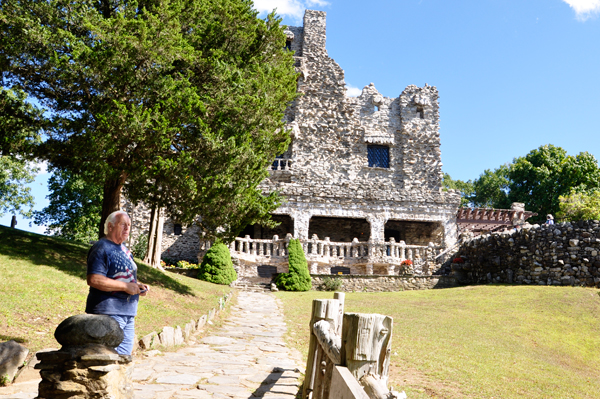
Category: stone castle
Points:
column 362, row 178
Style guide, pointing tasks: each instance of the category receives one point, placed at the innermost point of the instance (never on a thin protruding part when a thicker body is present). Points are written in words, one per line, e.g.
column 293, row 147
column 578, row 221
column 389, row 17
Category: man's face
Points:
column 118, row 231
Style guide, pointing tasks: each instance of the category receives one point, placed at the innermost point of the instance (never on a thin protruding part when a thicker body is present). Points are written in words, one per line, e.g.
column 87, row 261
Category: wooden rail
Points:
column 349, row 353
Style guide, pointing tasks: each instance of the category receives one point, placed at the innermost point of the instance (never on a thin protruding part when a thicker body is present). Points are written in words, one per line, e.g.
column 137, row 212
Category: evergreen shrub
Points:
column 217, row 266
column 298, row 277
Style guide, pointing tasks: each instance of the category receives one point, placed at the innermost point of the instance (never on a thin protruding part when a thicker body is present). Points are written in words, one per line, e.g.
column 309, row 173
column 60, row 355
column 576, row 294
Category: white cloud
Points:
column 584, row 8
column 42, row 167
column 352, row 91
column 291, row 8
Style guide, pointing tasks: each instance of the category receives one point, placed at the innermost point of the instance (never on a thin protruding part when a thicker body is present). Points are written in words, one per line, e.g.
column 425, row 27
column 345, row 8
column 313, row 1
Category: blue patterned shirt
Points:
column 116, row 262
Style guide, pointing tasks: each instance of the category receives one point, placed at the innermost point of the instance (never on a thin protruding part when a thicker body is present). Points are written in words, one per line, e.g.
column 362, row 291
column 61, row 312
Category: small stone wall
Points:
column 93, row 371
column 560, row 254
column 367, row 283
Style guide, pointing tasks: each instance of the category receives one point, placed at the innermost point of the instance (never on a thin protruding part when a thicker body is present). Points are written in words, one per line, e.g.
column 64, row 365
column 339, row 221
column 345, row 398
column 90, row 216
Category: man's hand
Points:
column 143, row 289
column 104, row 283
column 132, row 288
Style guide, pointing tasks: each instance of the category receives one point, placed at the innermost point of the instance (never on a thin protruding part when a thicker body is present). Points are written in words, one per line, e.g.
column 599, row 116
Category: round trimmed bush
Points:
column 298, row 278
column 217, row 266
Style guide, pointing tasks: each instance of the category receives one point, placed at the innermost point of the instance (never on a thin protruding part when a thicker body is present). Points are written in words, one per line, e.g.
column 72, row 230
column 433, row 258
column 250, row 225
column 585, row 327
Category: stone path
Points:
column 245, row 358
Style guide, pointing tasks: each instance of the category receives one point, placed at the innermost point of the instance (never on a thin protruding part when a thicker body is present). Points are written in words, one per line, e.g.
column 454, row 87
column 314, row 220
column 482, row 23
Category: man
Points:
column 112, row 277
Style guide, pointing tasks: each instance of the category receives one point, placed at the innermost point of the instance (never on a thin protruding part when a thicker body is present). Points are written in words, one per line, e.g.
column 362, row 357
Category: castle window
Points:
column 376, row 108
column 420, row 111
column 177, row 229
column 379, row 156
column 288, row 45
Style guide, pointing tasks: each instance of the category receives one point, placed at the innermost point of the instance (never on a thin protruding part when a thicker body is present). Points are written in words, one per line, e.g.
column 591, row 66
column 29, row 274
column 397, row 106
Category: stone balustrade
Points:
column 281, row 164
column 328, row 253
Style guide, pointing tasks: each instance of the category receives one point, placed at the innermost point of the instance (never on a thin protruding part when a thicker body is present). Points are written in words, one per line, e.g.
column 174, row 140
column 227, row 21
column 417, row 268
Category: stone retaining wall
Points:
column 368, row 283
column 560, row 254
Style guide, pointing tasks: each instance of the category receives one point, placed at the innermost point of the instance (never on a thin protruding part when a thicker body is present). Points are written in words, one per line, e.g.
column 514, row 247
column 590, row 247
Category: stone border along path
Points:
column 245, row 358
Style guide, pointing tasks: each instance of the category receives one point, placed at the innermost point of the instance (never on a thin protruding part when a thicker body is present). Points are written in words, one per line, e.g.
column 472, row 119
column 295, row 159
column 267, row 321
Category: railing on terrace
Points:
column 323, row 250
column 281, row 164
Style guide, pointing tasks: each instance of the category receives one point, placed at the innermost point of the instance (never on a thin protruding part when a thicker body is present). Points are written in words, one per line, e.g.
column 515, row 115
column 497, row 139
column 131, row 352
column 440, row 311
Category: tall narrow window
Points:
column 420, row 111
column 177, row 228
column 288, row 45
column 379, row 156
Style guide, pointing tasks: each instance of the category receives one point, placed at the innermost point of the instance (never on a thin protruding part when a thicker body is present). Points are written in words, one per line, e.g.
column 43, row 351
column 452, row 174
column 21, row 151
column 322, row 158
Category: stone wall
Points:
column 560, row 254
column 351, row 283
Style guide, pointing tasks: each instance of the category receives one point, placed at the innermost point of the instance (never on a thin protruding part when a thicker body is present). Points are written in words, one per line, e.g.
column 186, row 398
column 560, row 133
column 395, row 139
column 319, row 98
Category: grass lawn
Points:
column 492, row 341
column 43, row 281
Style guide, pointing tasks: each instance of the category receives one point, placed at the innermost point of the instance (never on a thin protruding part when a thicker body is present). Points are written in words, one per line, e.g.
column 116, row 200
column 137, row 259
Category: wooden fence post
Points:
column 366, row 345
column 323, row 309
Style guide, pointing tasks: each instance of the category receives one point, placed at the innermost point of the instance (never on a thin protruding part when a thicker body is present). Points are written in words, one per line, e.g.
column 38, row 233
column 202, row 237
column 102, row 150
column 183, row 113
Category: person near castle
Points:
column 112, row 277
column 549, row 219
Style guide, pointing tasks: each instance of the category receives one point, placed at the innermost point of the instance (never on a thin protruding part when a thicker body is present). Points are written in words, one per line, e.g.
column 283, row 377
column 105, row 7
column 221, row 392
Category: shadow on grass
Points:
column 5, row 338
column 70, row 257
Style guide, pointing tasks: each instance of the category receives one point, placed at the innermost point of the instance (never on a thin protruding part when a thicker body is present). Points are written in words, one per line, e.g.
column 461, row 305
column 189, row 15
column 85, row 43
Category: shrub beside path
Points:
column 244, row 358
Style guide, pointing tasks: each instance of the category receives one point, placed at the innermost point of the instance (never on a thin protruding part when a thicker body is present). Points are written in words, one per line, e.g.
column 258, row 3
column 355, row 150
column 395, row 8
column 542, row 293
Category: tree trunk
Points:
column 151, row 235
column 111, row 200
column 154, row 237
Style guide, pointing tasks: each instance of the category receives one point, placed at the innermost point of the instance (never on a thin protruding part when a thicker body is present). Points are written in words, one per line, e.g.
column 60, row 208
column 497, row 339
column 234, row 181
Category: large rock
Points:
column 85, row 329
column 12, row 356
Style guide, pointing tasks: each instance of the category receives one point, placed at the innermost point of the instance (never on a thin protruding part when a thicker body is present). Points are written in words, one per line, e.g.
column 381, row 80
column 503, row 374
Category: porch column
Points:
column 301, row 221
column 377, row 223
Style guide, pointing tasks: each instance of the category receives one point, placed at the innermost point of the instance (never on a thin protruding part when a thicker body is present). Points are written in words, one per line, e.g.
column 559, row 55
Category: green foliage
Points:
column 465, row 188
column 184, row 264
column 298, row 278
column 4, row 380
column 580, row 206
column 20, row 123
column 74, row 209
column 14, row 196
column 542, row 176
column 178, row 102
column 490, row 190
column 538, row 180
column 140, row 248
column 330, row 284
column 217, row 266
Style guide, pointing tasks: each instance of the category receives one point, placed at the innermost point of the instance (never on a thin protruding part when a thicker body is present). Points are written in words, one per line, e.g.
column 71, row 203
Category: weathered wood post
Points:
column 365, row 350
column 317, row 366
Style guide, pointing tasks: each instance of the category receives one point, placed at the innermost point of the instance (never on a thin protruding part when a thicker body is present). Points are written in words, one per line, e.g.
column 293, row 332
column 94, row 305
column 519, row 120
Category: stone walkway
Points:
column 245, row 358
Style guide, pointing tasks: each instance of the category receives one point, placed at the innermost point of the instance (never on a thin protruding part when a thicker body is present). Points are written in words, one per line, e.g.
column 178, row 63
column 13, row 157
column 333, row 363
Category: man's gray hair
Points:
column 111, row 219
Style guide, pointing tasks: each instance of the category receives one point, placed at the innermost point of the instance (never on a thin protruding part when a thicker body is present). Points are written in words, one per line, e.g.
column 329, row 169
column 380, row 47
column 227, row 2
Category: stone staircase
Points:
column 255, row 284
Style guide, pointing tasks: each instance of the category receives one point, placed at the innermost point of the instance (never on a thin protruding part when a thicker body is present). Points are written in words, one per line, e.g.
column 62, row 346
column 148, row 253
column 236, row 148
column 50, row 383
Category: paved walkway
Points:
column 245, row 358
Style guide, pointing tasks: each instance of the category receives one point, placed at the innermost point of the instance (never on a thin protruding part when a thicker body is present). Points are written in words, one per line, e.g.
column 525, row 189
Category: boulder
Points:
column 85, row 329
column 12, row 356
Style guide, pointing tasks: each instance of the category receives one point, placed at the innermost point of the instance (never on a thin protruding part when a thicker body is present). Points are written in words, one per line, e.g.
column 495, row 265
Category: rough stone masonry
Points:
column 560, row 254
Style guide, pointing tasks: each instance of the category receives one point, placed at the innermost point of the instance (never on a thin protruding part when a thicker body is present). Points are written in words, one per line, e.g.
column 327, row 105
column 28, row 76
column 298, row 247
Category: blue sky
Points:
column 512, row 75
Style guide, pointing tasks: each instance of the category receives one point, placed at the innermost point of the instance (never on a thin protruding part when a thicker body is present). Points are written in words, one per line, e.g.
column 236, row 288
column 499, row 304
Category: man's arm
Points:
column 104, row 283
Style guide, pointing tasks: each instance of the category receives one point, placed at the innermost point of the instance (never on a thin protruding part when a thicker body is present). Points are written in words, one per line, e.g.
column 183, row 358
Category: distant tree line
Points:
column 546, row 180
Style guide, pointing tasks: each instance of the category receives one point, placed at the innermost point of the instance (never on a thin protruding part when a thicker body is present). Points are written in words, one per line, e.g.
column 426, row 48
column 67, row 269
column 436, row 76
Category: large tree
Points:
column 537, row 179
column 182, row 101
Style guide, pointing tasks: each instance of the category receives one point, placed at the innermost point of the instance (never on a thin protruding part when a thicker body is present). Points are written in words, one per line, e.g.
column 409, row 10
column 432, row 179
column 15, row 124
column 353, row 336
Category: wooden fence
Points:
column 349, row 353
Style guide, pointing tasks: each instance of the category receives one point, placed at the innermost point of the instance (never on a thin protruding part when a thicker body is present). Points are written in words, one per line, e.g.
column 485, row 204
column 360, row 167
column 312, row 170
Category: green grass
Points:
column 480, row 341
column 43, row 281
